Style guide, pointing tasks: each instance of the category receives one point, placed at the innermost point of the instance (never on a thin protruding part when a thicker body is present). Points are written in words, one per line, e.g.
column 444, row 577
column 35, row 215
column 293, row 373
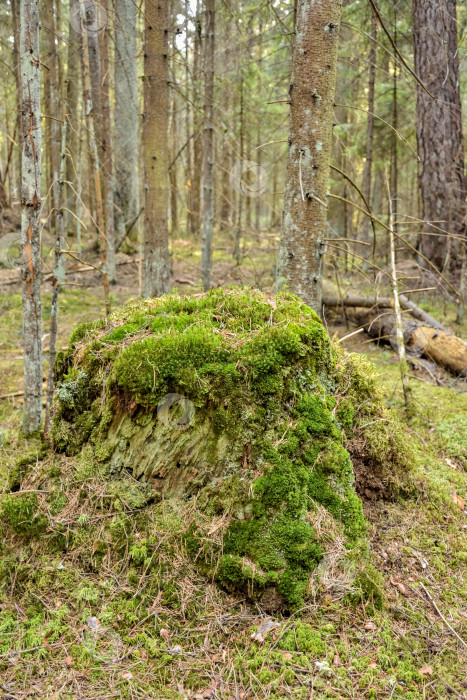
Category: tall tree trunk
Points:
column 94, row 162
column 30, row 221
column 259, row 151
column 238, row 230
column 72, row 133
column 395, row 140
column 370, row 127
column 107, row 156
column 46, row 48
column 208, row 147
column 126, row 116
column 156, row 259
column 311, row 98
column 188, row 124
column 439, row 125
column 195, row 208
column 173, row 169
column 17, row 67
column 225, row 206
column 57, row 275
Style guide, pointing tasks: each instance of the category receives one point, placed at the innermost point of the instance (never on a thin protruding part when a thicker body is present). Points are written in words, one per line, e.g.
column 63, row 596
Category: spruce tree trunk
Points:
column 370, row 127
column 188, row 125
column 45, row 50
column 439, row 125
column 310, row 143
column 126, row 116
column 173, row 169
column 195, row 217
column 156, row 260
column 208, row 148
column 107, row 155
column 94, row 164
column 31, row 205
column 17, row 68
column 238, row 230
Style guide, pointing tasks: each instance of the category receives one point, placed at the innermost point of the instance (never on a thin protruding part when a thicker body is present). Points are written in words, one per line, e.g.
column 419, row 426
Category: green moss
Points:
column 453, row 433
column 263, row 451
column 303, row 638
column 369, row 586
column 21, row 514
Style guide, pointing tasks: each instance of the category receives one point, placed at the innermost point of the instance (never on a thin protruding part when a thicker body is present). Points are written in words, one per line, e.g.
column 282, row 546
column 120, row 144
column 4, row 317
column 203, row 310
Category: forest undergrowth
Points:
column 74, row 629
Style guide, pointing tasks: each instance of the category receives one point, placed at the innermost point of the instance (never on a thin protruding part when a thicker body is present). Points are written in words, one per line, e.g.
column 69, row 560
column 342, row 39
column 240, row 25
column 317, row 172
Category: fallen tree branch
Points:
column 353, row 301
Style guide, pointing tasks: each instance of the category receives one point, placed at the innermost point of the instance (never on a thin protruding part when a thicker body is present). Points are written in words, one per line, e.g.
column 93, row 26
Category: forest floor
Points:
column 194, row 641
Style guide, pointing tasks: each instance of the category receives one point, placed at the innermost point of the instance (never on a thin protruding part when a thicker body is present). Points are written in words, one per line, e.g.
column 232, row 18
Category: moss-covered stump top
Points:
column 235, row 405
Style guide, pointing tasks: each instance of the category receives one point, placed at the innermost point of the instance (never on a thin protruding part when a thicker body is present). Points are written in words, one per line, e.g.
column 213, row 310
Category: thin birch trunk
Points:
column 397, row 310
column 94, row 162
column 395, row 140
column 156, row 258
column 30, row 220
column 310, row 144
column 208, row 148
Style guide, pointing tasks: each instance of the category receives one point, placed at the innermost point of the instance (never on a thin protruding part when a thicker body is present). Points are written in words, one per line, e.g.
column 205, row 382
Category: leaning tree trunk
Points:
column 439, row 125
column 156, row 259
column 30, row 221
column 126, row 115
column 311, row 110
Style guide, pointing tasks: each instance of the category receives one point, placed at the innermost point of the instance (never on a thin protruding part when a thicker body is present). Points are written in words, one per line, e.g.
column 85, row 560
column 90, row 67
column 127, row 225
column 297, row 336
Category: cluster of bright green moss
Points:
column 264, row 375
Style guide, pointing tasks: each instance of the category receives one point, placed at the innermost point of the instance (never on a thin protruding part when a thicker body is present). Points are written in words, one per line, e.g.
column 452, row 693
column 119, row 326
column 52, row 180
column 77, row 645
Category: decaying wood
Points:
column 443, row 348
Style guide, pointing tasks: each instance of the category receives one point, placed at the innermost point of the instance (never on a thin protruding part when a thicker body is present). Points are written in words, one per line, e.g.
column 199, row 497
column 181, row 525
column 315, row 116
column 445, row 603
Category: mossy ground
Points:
column 98, row 558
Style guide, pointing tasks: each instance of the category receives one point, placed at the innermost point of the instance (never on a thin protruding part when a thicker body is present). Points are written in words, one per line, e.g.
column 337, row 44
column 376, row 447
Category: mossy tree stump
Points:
column 254, row 448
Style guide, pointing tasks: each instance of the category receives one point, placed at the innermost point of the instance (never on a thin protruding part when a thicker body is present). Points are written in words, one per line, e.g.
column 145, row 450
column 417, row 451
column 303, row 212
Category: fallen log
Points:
column 442, row 348
column 354, row 301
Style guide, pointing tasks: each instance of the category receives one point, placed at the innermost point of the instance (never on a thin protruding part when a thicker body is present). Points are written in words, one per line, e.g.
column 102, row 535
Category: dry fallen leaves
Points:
column 400, row 587
column 458, row 500
column 93, row 623
column 164, row 634
column 425, row 670
column 265, row 627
